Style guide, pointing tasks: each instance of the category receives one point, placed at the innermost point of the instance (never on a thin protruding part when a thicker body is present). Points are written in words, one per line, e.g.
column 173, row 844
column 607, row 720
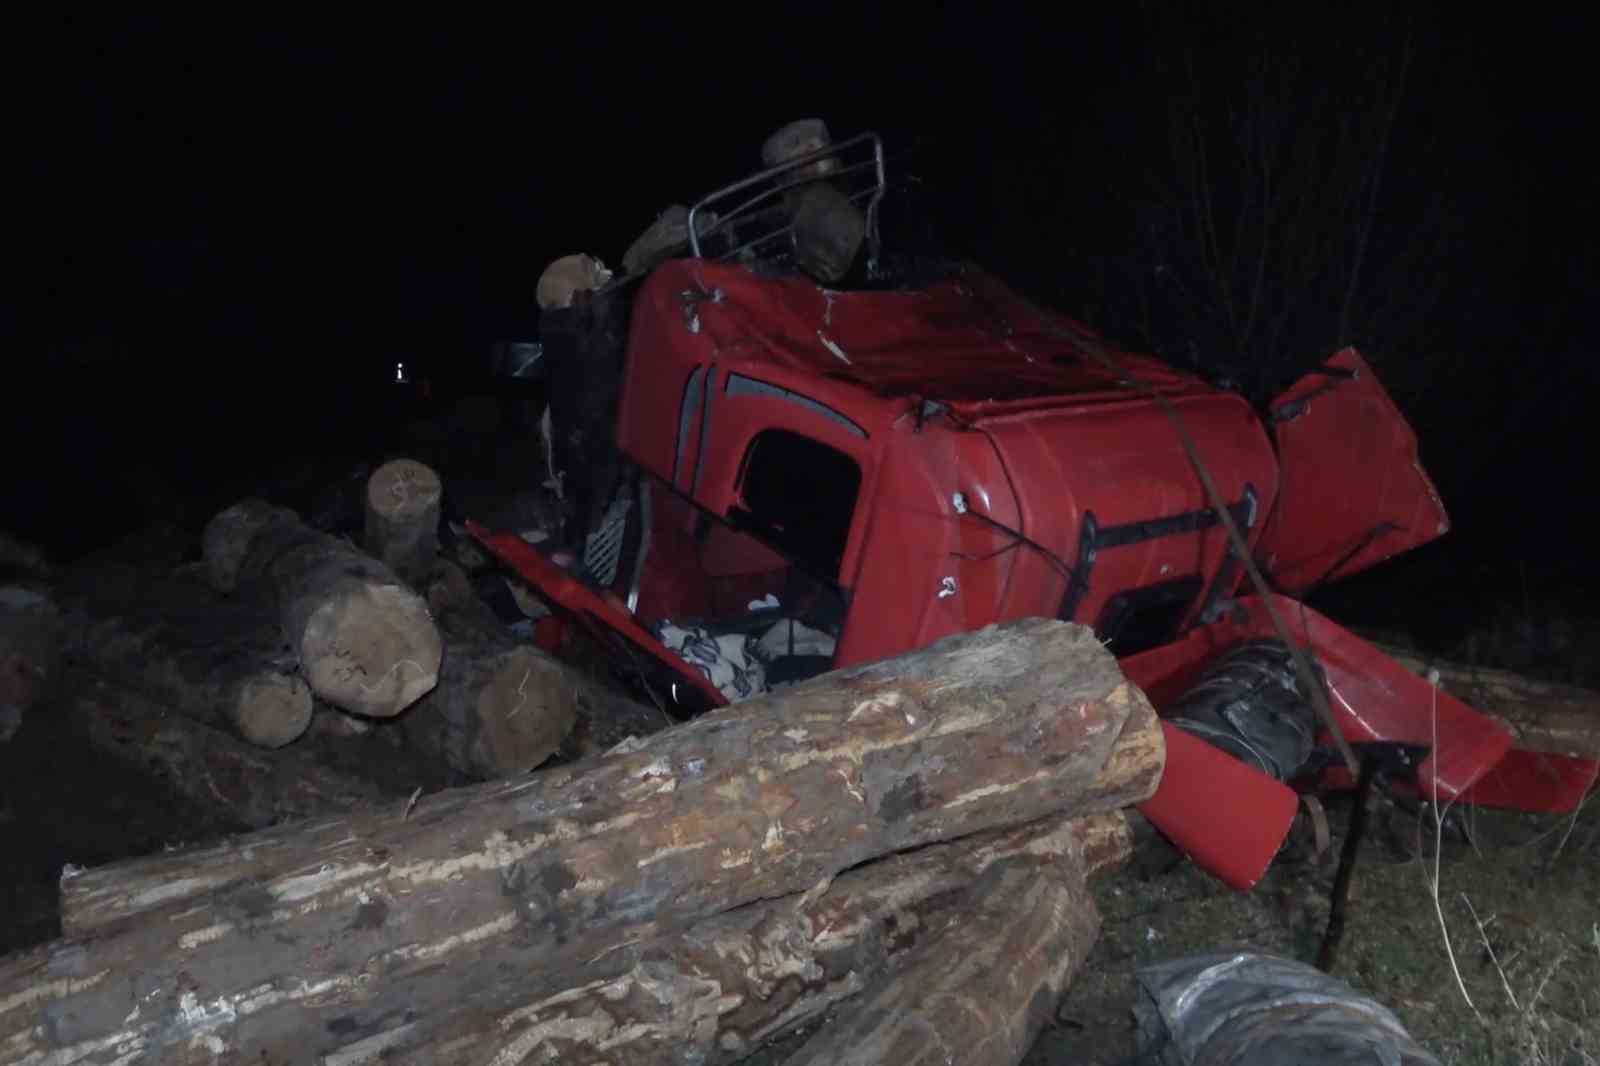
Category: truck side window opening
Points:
column 799, row 495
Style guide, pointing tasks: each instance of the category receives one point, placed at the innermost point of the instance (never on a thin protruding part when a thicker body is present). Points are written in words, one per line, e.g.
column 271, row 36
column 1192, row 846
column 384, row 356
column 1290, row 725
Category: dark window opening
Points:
column 1146, row 618
column 799, row 495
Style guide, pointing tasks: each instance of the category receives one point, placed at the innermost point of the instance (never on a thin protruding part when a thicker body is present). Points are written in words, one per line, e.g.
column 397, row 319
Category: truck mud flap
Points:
column 1227, row 816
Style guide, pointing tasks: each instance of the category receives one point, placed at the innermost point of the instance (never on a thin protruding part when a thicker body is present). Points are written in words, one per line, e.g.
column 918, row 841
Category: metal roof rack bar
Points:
column 745, row 207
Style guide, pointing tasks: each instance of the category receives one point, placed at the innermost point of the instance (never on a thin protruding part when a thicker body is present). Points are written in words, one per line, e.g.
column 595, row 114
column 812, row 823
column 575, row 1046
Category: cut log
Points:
column 228, row 537
column 723, row 988
column 1543, row 715
column 365, row 642
column 402, row 517
column 502, row 706
column 303, row 937
column 980, row 990
column 217, row 663
column 139, row 615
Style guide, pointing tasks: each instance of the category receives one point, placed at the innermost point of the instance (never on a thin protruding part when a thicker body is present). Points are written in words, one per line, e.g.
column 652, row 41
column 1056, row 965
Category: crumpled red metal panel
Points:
column 1372, row 696
column 1352, row 490
column 968, row 341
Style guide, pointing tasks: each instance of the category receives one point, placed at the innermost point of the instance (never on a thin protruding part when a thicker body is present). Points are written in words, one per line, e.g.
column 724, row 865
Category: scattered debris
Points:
column 1259, row 1010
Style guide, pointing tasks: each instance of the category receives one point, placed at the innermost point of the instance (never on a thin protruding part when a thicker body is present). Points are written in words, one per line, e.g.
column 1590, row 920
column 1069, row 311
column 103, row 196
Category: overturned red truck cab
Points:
column 816, row 475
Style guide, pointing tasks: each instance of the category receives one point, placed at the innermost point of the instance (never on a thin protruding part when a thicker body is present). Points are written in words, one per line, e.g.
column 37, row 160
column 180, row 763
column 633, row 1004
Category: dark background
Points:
column 231, row 230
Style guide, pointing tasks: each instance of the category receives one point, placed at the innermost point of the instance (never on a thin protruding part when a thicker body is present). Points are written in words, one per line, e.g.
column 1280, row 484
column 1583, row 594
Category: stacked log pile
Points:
column 903, row 843
column 364, row 640
column 262, row 626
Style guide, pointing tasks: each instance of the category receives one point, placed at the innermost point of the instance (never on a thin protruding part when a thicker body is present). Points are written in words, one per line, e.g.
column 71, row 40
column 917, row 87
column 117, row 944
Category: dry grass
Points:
column 1532, row 969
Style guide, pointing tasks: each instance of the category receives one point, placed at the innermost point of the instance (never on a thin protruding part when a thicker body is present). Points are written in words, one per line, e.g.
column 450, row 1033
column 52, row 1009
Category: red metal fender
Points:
column 1224, row 814
column 1231, row 819
column 1372, row 696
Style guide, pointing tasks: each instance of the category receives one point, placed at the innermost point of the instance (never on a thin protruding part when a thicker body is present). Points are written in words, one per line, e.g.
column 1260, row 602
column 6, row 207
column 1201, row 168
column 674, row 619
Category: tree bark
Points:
column 216, row 663
column 979, row 990
column 140, row 615
column 1543, row 715
column 302, row 936
column 365, row 642
column 402, row 517
column 721, row 989
column 502, row 706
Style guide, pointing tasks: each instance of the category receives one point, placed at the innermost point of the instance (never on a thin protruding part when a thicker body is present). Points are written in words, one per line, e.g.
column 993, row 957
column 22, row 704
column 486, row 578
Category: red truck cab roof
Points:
column 983, row 461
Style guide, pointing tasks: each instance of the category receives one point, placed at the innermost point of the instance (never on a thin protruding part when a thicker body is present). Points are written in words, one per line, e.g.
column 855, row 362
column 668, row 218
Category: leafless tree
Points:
column 1301, row 200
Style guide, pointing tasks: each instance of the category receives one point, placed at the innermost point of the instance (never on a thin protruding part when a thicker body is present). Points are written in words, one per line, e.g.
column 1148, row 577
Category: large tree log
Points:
column 365, row 642
column 218, row 663
column 502, row 706
column 335, row 929
column 724, row 987
column 977, row 992
column 1543, row 715
column 402, row 517
column 141, row 615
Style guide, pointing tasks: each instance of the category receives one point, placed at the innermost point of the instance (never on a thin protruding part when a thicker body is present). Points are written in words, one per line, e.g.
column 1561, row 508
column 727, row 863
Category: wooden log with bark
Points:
column 725, row 987
column 402, row 517
column 979, row 990
column 1543, row 715
column 338, row 929
column 502, row 706
column 365, row 641
column 139, row 613
column 219, row 663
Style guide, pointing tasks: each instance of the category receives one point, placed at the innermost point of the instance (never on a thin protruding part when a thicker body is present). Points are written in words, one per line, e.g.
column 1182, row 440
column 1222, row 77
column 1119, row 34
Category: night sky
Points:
column 231, row 228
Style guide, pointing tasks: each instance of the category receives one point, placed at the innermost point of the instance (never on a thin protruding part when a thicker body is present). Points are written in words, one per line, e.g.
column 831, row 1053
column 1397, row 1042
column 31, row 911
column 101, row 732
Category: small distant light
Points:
column 400, row 374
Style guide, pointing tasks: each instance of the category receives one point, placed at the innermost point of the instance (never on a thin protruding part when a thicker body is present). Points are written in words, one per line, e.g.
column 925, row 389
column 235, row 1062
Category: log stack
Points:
column 863, row 841
column 217, row 664
column 364, row 641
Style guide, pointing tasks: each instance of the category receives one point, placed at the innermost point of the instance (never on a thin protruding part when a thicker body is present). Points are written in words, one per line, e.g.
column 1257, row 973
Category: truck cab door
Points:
column 1352, row 490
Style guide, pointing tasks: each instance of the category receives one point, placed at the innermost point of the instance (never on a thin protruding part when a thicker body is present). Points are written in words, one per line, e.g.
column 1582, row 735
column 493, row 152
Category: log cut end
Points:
column 272, row 709
column 402, row 517
column 372, row 650
column 524, row 712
